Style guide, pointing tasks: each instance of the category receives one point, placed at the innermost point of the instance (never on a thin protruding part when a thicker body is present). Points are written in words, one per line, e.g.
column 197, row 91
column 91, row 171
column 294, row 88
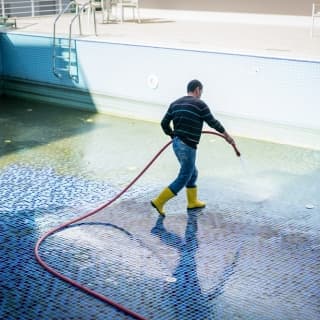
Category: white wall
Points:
column 280, row 91
column 263, row 98
column 259, row 97
column 282, row 7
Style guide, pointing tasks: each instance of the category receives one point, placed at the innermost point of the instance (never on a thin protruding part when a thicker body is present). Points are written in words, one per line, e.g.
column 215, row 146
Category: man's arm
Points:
column 211, row 120
column 228, row 138
column 165, row 124
column 215, row 124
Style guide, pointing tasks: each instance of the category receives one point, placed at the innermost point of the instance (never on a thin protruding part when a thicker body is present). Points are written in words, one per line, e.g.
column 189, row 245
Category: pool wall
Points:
column 258, row 97
column 1, row 67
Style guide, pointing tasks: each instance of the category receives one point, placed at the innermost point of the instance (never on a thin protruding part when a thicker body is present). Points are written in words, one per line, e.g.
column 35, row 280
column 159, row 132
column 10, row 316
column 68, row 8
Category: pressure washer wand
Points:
column 236, row 150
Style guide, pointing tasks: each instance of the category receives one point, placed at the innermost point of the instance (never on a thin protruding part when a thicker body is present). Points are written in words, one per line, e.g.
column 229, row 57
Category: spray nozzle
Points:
column 236, row 150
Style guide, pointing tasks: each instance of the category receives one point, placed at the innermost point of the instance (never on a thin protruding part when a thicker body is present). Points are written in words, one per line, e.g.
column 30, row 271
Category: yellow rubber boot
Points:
column 162, row 198
column 193, row 202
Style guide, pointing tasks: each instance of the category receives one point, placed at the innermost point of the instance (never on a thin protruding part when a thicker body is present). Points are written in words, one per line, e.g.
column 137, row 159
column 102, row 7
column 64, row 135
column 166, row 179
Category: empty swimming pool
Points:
column 252, row 253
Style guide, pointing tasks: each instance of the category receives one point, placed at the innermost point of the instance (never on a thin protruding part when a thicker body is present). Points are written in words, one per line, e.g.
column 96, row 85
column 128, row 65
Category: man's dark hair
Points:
column 193, row 85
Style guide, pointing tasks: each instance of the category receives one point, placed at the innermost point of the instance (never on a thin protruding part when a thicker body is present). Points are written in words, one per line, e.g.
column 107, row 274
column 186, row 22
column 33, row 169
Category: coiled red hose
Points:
column 92, row 212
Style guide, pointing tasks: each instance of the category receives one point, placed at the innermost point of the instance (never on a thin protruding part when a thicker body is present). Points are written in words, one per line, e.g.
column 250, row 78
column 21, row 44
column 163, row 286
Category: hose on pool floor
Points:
column 92, row 212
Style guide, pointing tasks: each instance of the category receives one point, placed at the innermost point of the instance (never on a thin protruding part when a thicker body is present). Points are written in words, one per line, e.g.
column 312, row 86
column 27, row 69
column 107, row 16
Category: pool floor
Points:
column 252, row 253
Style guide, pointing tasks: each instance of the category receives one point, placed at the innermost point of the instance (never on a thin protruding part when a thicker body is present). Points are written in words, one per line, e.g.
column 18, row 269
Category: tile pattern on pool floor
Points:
column 252, row 253
column 189, row 265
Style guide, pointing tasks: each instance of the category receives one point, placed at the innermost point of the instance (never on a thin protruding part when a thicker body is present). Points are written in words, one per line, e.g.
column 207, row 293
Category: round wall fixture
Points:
column 153, row 81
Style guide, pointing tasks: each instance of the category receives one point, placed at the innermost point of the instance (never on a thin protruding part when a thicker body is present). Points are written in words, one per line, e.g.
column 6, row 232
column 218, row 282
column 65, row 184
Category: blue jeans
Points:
column 188, row 173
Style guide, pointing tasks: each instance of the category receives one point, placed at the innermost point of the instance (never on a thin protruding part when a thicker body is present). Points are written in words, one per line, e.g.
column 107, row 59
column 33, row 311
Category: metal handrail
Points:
column 87, row 5
column 3, row 13
column 55, row 34
column 59, row 15
column 30, row 8
column 77, row 15
column 79, row 10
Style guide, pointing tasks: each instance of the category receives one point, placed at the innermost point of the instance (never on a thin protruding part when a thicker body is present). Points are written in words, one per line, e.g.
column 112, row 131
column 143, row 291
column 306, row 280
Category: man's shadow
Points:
column 184, row 295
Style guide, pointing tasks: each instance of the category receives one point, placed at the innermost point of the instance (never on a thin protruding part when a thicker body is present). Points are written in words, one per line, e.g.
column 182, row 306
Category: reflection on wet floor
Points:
column 252, row 253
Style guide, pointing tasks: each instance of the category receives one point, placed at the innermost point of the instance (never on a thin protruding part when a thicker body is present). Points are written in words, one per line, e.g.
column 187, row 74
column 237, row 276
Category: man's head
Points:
column 194, row 88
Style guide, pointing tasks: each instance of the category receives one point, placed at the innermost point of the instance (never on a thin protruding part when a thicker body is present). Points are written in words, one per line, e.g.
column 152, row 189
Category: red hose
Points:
column 92, row 212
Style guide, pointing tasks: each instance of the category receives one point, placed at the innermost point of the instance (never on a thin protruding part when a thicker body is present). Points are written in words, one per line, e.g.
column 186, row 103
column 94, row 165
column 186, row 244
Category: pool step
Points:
column 71, row 71
column 66, row 57
column 68, row 46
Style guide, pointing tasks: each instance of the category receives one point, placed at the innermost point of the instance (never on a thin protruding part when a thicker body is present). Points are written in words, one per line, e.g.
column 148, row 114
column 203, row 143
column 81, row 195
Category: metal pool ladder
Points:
column 64, row 50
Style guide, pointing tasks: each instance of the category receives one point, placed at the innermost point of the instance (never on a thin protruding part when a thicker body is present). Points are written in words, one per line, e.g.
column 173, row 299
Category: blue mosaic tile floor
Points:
column 245, row 256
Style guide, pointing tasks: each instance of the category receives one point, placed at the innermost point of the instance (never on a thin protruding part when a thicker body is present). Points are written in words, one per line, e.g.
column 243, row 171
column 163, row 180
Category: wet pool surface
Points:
column 252, row 253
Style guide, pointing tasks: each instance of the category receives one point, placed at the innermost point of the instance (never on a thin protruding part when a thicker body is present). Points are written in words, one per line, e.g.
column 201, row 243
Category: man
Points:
column 187, row 114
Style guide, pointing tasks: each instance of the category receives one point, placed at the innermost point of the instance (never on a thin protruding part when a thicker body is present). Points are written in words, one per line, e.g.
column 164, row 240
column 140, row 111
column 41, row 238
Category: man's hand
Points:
column 228, row 138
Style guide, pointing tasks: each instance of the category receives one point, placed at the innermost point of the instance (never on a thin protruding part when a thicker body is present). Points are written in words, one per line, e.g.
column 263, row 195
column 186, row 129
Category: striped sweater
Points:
column 188, row 114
